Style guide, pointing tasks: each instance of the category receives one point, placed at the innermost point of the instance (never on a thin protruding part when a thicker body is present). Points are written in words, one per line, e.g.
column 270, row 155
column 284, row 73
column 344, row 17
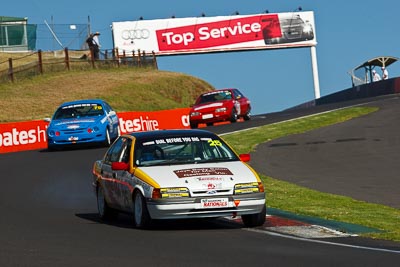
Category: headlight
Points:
column 307, row 29
column 220, row 110
column 247, row 188
column 173, row 192
column 52, row 133
column 194, row 114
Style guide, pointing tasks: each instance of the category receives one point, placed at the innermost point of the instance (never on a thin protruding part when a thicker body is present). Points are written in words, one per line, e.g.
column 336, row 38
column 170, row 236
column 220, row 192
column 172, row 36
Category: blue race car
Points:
column 83, row 122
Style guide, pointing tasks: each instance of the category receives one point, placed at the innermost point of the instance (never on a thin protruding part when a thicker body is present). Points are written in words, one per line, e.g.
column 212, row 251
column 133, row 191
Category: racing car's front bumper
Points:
column 179, row 208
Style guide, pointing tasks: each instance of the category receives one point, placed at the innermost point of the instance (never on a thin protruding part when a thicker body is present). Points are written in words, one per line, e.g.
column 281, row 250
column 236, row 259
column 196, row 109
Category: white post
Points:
column 313, row 50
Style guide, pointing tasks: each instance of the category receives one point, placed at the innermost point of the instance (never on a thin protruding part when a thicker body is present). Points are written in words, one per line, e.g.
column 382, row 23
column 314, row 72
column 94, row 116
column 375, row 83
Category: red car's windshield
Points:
column 215, row 96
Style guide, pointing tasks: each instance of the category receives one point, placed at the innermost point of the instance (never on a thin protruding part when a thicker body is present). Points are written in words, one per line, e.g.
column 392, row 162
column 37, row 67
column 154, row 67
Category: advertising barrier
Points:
column 31, row 135
column 215, row 34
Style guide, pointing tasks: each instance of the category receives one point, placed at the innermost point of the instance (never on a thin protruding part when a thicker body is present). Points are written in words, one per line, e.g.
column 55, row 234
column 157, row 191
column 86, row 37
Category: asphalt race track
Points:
column 49, row 216
column 358, row 158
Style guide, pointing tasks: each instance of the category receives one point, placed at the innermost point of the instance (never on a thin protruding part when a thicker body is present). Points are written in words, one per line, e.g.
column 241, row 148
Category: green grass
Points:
column 125, row 89
column 304, row 201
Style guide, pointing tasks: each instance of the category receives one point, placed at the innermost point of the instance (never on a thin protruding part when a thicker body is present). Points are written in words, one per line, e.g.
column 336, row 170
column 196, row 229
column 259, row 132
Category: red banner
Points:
column 219, row 33
column 31, row 135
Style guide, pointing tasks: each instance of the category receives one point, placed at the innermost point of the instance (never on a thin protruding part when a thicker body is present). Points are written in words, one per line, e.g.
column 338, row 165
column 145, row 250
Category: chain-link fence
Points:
column 17, row 35
column 50, row 37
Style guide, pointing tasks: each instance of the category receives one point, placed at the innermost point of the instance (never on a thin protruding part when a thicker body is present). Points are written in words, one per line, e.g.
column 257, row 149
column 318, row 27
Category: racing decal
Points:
column 74, row 122
column 210, row 179
column 214, row 203
column 214, row 142
column 213, row 105
column 202, row 172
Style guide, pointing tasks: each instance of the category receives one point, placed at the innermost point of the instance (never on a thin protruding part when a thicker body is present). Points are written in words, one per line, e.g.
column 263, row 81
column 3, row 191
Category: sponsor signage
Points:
column 30, row 135
column 215, row 34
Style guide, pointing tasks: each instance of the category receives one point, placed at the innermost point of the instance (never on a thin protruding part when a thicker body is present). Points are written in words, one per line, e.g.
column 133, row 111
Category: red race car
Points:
column 220, row 105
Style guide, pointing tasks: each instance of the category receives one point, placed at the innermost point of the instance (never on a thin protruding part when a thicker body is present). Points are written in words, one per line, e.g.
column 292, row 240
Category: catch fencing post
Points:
column 138, row 57
column 40, row 65
column 10, row 70
column 66, row 58
column 92, row 57
column 154, row 60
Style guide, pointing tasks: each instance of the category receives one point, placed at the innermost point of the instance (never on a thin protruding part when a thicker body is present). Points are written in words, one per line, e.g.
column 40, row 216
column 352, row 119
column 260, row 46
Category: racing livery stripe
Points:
column 146, row 178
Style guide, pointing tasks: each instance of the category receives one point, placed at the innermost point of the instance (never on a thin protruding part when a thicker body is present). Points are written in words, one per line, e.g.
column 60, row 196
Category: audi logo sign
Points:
column 135, row 34
column 216, row 34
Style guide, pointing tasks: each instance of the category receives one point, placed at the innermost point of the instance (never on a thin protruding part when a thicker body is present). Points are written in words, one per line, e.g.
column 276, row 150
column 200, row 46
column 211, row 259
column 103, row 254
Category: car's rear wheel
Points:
column 105, row 212
column 141, row 217
column 253, row 220
column 234, row 116
column 210, row 124
column 193, row 125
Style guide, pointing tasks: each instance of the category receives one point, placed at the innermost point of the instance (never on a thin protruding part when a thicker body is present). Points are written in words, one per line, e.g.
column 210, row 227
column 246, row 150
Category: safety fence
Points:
column 37, row 63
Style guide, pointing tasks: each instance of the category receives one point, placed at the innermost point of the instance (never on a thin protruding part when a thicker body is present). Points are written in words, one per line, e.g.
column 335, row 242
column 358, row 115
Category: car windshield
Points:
column 295, row 22
column 79, row 111
column 182, row 150
column 215, row 96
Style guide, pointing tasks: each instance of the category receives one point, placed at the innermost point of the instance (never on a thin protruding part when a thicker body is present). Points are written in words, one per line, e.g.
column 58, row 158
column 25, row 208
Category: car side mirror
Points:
column 47, row 119
column 119, row 166
column 244, row 157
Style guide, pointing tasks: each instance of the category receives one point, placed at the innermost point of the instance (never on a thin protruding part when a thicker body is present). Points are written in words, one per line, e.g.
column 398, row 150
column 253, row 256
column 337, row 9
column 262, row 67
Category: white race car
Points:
column 175, row 174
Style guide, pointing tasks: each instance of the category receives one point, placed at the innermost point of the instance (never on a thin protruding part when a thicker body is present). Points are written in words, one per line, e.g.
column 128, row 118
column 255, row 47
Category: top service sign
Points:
column 215, row 34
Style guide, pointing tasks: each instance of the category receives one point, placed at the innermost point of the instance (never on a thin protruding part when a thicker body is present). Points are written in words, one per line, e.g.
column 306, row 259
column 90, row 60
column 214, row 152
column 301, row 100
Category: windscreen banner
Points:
column 215, row 34
column 31, row 135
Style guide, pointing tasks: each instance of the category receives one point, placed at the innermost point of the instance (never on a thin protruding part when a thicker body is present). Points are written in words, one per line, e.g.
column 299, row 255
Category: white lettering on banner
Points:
column 23, row 137
column 205, row 33
column 186, row 38
column 238, row 29
column 185, row 120
column 137, row 125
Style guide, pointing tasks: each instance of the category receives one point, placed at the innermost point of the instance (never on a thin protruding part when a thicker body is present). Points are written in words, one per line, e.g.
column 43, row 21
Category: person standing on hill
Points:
column 375, row 76
column 385, row 74
column 96, row 44
column 93, row 43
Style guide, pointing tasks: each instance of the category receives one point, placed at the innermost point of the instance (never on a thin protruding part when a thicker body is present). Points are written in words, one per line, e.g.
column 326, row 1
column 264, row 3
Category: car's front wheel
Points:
column 234, row 116
column 141, row 217
column 253, row 220
column 105, row 212
column 247, row 116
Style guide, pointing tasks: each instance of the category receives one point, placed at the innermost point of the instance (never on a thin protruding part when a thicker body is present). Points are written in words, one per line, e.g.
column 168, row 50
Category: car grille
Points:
column 211, row 192
column 76, row 131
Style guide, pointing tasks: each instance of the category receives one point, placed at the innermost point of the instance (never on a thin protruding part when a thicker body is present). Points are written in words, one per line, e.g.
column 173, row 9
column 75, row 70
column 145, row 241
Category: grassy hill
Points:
column 126, row 89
